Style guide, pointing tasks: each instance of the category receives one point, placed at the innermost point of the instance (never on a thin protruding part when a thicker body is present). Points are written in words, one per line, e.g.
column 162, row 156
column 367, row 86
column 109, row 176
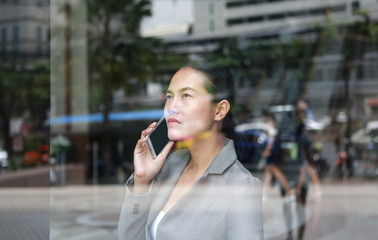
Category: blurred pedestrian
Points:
column 304, row 152
column 292, row 152
column 271, row 168
column 303, row 105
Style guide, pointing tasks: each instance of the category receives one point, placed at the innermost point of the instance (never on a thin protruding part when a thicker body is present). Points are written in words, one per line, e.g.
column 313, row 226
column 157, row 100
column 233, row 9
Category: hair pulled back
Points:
column 220, row 84
column 219, row 80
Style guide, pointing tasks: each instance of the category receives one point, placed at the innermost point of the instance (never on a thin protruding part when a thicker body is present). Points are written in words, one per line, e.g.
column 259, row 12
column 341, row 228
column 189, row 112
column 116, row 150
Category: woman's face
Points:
column 188, row 109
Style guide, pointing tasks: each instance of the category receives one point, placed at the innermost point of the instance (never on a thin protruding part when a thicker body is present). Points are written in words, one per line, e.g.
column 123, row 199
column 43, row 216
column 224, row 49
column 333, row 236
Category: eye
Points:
column 186, row 95
column 168, row 97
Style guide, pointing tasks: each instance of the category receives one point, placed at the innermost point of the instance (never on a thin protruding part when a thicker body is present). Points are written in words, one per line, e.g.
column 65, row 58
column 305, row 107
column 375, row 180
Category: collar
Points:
column 223, row 160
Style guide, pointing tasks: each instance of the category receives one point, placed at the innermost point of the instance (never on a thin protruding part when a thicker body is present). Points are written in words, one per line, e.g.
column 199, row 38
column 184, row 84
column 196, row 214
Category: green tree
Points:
column 119, row 56
column 22, row 91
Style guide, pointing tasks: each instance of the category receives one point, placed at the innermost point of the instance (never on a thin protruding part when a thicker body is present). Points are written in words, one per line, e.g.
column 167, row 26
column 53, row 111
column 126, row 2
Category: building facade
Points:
column 25, row 30
column 275, row 21
column 256, row 17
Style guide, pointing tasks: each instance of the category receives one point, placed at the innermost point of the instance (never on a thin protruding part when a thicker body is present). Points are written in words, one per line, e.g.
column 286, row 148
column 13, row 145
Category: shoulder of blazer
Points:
column 238, row 174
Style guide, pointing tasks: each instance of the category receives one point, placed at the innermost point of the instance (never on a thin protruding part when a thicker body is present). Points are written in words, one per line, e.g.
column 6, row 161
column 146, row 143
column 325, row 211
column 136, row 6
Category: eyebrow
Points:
column 183, row 90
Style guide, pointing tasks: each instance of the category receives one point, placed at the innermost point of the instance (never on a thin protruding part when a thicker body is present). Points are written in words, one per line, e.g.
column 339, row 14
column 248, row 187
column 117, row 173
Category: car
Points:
column 3, row 158
column 252, row 138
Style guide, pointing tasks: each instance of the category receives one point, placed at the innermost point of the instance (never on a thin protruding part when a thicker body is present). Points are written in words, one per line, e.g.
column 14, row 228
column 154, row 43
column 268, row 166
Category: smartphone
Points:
column 158, row 139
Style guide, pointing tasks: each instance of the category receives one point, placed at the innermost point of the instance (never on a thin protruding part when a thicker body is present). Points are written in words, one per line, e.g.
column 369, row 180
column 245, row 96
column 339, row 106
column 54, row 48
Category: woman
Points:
column 202, row 192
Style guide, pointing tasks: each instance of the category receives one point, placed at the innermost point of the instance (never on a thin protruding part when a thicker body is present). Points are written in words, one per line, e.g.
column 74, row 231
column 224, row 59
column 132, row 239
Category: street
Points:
column 347, row 209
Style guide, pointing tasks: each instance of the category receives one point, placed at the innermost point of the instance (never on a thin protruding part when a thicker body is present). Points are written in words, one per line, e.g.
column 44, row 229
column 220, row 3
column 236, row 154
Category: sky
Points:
column 169, row 12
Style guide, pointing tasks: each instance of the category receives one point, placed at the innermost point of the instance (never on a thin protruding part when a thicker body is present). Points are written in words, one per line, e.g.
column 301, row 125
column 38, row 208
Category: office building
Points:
column 256, row 17
column 25, row 30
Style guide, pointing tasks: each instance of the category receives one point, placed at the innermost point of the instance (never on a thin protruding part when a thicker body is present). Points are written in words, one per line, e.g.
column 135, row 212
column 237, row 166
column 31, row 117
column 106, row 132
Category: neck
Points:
column 203, row 150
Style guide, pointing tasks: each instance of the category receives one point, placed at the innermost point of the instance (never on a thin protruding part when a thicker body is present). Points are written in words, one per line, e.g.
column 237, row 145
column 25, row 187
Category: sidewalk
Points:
column 85, row 212
column 346, row 210
column 24, row 213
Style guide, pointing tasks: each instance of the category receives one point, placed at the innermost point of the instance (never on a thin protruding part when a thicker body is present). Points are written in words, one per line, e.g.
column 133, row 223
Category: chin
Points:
column 174, row 136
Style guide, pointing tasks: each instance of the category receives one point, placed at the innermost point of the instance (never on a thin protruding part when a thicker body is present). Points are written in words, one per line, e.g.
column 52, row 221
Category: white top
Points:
column 155, row 224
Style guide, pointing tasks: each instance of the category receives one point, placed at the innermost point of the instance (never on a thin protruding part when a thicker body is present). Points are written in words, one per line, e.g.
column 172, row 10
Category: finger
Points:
column 148, row 130
column 139, row 146
column 141, row 143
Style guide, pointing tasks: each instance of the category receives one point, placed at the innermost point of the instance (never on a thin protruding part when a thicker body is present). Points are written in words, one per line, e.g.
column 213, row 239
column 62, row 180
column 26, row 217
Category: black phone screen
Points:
column 159, row 138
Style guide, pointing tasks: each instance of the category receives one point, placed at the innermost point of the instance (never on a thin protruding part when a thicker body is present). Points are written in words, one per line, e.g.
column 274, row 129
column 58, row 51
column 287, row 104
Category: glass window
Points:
column 276, row 16
column 211, row 8
column 371, row 70
column 3, row 39
column 331, row 74
column 108, row 83
column 48, row 33
column 317, row 11
column 16, row 33
column 297, row 13
column 360, row 72
column 355, row 6
column 39, row 40
column 317, row 75
column 211, row 25
column 234, row 4
column 255, row 19
column 39, row 33
column 236, row 21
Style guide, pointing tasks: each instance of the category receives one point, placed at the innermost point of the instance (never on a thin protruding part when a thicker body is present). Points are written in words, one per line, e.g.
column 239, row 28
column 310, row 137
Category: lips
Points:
column 173, row 121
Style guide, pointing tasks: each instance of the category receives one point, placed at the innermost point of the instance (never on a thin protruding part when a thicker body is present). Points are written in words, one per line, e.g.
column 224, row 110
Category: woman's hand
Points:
column 146, row 167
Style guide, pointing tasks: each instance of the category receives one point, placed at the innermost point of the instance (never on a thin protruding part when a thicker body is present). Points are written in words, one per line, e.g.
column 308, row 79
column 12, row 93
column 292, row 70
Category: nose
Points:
column 170, row 112
column 171, row 107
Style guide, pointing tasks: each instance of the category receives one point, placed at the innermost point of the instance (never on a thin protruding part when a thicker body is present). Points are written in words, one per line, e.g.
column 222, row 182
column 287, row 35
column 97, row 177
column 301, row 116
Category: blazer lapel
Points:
column 163, row 187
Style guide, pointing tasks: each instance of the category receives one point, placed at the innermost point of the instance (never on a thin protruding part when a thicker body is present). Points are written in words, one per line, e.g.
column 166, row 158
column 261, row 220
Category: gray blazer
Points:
column 225, row 203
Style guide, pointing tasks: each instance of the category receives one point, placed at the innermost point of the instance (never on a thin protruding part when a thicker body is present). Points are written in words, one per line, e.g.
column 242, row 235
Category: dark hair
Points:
column 220, row 84
column 220, row 81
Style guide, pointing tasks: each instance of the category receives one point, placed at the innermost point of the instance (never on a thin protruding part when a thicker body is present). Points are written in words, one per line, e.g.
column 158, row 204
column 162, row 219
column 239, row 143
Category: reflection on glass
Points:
column 80, row 79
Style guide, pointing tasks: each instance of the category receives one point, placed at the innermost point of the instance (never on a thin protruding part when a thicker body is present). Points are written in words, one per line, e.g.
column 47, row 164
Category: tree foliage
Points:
column 22, row 91
column 118, row 56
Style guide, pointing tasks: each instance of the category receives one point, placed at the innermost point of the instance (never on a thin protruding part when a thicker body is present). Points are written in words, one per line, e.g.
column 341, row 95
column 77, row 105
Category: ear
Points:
column 221, row 110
